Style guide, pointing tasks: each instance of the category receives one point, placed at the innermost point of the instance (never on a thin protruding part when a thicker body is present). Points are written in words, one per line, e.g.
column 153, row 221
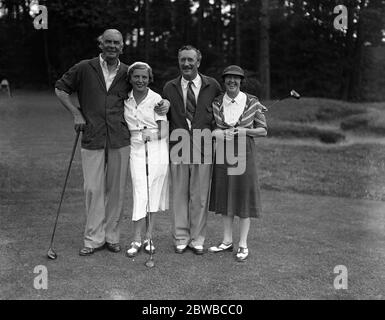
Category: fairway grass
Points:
column 319, row 211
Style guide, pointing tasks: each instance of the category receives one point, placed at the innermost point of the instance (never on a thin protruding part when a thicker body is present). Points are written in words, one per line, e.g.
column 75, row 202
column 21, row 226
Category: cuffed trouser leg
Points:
column 93, row 162
column 116, row 179
column 180, row 198
column 199, row 192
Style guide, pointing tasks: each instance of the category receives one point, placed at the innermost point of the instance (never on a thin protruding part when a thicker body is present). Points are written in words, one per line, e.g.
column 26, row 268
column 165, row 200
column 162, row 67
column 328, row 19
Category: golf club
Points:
column 150, row 262
column 51, row 254
column 293, row 94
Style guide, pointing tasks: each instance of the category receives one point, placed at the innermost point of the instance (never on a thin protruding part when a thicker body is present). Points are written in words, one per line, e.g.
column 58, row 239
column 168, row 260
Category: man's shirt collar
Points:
column 103, row 62
column 197, row 82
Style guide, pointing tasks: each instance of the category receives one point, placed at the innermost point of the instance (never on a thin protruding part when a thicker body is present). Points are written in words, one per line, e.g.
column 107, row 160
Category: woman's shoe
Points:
column 242, row 254
column 221, row 247
column 135, row 247
column 146, row 244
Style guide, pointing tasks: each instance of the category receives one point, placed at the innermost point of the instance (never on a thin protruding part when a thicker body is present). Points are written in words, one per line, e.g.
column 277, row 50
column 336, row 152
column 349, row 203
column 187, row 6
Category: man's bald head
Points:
column 109, row 32
column 111, row 44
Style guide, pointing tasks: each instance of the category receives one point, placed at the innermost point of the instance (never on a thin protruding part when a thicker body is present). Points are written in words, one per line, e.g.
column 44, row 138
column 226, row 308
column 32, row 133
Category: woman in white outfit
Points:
column 143, row 124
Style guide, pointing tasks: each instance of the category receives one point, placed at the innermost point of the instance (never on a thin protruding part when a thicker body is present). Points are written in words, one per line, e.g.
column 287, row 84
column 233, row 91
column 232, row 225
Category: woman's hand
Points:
column 230, row 133
column 227, row 134
column 241, row 131
column 147, row 135
column 255, row 132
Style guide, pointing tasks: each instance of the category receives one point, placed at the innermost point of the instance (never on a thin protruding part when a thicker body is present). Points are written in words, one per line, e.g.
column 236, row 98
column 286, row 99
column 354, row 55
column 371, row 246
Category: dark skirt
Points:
column 237, row 195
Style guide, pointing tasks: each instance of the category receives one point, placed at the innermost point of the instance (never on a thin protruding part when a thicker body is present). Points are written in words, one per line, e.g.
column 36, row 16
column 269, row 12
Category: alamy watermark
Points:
column 196, row 147
column 41, row 20
column 341, row 21
column 341, row 280
column 41, row 280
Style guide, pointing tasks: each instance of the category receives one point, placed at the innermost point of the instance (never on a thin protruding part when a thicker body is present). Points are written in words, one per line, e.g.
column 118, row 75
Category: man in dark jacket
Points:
column 101, row 84
column 190, row 96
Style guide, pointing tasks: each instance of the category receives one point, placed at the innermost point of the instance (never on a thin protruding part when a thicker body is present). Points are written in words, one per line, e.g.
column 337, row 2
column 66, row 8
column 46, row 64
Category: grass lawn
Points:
column 327, row 120
column 321, row 209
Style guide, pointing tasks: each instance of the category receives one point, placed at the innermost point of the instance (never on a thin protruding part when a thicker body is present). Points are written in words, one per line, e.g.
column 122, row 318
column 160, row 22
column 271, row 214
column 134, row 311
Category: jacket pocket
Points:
column 209, row 108
column 88, row 133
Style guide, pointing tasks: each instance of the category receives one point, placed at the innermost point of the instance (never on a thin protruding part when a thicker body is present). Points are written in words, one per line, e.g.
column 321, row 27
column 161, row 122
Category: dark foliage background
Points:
column 305, row 51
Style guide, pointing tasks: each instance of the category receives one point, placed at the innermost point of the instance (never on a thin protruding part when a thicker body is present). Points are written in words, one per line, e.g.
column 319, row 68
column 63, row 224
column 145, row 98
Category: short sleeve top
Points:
column 142, row 115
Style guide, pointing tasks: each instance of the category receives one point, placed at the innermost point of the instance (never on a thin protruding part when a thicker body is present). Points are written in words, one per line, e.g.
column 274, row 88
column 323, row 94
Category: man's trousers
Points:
column 105, row 178
column 190, row 190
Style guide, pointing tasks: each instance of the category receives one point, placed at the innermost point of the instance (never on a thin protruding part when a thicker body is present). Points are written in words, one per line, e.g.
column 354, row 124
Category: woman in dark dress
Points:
column 239, row 120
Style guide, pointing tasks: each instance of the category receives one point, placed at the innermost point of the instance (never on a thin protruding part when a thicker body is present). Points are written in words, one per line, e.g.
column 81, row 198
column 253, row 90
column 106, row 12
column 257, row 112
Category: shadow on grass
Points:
column 293, row 130
column 313, row 109
column 371, row 122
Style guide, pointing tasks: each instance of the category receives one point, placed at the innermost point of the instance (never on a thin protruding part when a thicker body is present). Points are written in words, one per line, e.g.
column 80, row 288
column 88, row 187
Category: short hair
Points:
column 140, row 65
column 190, row 47
column 101, row 37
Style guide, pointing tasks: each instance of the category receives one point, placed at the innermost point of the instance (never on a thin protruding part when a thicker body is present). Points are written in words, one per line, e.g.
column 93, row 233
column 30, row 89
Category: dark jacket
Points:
column 102, row 109
column 203, row 118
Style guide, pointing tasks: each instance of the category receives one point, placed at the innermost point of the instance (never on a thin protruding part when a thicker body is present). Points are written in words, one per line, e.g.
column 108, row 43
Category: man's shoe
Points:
column 221, row 247
column 87, row 251
column 113, row 247
column 180, row 248
column 196, row 249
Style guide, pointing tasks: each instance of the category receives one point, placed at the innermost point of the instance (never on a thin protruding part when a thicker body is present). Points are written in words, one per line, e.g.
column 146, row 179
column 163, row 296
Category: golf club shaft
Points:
column 280, row 99
column 293, row 94
column 65, row 184
column 148, row 218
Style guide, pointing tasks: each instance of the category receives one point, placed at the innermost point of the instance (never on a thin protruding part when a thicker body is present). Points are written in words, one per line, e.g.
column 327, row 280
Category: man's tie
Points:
column 190, row 102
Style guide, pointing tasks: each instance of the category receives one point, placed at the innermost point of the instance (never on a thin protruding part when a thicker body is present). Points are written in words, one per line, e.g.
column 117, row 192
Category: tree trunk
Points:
column 264, row 54
column 200, row 23
column 147, row 30
column 219, row 30
column 46, row 57
column 237, row 34
column 356, row 70
column 347, row 64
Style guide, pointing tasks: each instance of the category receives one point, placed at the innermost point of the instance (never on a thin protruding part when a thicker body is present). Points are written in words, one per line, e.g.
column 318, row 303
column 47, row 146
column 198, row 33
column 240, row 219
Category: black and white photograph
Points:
column 214, row 153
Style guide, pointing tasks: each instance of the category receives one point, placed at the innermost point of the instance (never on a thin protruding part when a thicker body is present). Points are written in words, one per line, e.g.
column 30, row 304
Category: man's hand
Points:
column 218, row 134
column 79, row 122
column 162, row 107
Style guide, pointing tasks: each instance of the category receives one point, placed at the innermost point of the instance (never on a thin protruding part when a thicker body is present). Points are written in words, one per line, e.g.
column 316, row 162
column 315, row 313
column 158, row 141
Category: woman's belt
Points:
column 137, row 133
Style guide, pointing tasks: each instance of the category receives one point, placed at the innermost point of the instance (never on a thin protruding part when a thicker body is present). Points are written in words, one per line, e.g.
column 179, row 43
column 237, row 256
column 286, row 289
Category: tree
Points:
column 264, row 56
column 237, row 34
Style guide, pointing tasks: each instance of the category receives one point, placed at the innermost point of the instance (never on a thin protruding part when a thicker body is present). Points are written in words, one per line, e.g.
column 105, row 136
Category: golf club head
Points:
column 295, row 94
column 150, row 263
column 51, row 254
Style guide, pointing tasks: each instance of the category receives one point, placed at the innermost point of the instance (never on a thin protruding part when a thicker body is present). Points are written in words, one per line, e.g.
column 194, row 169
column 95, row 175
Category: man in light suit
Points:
column 190, row 96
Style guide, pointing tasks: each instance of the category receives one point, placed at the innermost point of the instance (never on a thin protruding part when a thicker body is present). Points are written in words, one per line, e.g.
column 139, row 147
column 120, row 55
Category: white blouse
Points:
column 142, row 115
column 233, row 108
